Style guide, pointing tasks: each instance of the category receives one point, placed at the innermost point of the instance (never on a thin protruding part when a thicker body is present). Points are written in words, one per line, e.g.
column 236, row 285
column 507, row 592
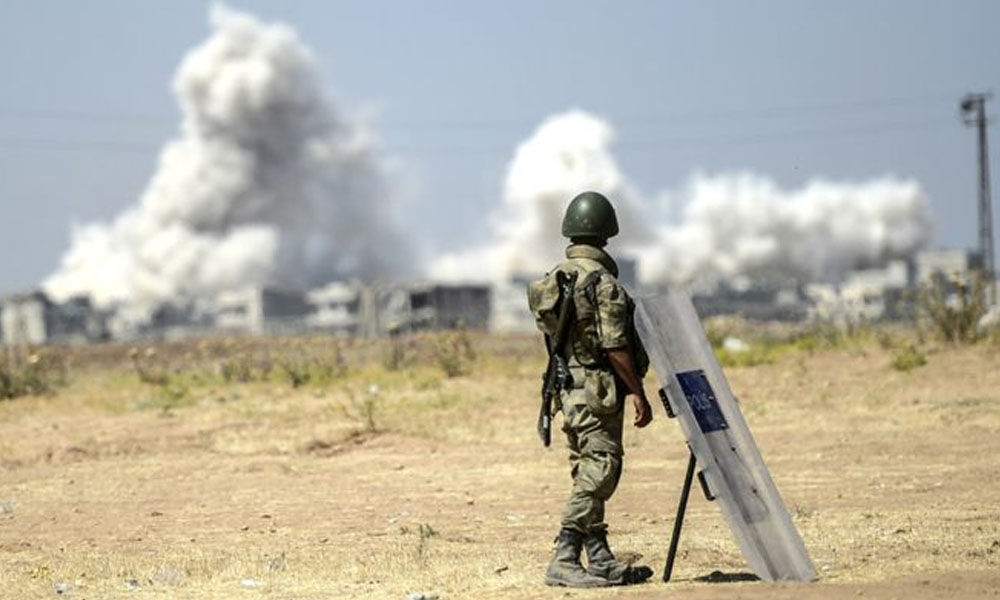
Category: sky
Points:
column 792, row 90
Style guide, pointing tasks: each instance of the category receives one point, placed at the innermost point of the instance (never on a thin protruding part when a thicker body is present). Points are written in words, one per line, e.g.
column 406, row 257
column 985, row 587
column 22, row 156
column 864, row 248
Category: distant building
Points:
column 261, row 310
column 342, row 308
column 164, row 322
column 866, row 295
column 433, row 306
column 756, row 300
column 35, row 319
column 24, row 319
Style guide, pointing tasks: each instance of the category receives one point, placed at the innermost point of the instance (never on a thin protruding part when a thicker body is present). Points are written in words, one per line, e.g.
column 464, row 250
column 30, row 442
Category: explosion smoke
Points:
column 268, row 183
column 744, row 225
column 567, row 154
column 733, row 225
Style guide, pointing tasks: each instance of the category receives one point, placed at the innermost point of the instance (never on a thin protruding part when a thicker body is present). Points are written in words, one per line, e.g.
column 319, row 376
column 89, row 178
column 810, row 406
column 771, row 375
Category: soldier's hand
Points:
column 643, row 411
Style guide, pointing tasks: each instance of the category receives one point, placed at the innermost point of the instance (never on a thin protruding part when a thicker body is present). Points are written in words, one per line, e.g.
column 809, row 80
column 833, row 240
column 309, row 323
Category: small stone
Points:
column 251, row 584
column 421, row 596
column 62, row 588
column 132, row 584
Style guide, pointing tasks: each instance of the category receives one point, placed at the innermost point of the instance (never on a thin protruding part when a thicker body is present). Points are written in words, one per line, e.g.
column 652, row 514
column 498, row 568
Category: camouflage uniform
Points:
column 593, row 411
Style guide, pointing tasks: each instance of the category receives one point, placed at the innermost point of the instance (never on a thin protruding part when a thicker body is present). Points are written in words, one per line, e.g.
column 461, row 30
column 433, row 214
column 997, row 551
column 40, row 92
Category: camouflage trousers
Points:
column 595, row 455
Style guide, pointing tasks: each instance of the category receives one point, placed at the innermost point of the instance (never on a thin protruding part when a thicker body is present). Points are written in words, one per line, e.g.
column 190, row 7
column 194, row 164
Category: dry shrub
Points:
column 908, row 358
column 453, row 352
column 954, row 307
column 364, row 409
column 395, row 355
column 146, row 367
column 244, row 367
column 30, row 372
column 303, row 369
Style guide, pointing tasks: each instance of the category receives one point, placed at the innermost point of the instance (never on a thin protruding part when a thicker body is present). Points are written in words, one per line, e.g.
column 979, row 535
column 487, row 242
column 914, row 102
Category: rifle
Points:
column 557, row 376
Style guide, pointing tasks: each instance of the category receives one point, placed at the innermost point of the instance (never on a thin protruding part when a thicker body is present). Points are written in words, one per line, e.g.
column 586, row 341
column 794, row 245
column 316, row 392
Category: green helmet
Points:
column 590, row 214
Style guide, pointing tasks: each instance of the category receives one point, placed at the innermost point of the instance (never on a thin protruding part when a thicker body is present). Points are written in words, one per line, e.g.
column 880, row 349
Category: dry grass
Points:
column 377, row 482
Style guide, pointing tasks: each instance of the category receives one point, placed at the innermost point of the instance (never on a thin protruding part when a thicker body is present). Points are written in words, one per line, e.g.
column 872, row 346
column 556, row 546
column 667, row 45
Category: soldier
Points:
column 607, row 362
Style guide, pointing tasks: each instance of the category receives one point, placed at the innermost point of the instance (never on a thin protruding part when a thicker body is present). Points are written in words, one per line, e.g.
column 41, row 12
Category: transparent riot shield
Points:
column 719, row 438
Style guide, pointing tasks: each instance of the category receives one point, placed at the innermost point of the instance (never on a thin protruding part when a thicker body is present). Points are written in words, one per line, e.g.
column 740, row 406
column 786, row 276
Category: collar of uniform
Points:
column 593, row 253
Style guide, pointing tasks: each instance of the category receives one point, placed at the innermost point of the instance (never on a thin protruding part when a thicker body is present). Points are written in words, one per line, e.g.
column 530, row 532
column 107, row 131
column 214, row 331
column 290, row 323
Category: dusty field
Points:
column 380, row 483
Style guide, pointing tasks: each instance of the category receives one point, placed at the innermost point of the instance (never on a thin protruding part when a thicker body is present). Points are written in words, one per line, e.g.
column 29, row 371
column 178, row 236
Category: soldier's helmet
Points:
column 590, row 214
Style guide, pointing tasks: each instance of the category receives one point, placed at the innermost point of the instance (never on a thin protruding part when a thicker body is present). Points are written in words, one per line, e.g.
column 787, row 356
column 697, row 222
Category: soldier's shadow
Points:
column 720, row 577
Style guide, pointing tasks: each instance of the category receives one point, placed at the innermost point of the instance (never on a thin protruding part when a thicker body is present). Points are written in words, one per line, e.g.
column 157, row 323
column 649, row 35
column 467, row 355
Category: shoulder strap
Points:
column 589, row 283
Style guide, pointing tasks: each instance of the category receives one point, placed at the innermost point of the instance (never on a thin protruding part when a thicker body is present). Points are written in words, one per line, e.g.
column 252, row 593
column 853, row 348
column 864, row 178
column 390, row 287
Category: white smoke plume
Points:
column 732, row 225
column 744, row 225
column 267, row 183
column 568, row 154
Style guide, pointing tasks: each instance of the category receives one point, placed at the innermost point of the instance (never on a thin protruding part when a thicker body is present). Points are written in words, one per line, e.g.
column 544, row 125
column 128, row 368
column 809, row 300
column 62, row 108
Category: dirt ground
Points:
column 387, row 482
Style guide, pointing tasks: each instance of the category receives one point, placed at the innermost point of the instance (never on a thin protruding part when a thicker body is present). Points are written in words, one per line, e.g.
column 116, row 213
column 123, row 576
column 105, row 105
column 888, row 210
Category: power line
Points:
column 32, row 114
column 773, row 112
column 656, row 144
column 795, row 110
column 14, row 143
column 825, row 133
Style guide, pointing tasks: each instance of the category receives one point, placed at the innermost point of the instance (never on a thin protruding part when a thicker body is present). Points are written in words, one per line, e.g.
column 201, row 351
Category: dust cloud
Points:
column 267, row 183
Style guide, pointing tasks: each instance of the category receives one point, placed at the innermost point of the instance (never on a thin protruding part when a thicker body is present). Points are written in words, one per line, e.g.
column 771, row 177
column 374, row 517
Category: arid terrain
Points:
column 227, row 469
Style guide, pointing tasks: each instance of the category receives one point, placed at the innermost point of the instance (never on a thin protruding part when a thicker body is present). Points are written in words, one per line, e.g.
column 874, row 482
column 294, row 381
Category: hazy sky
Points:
column 793, row 90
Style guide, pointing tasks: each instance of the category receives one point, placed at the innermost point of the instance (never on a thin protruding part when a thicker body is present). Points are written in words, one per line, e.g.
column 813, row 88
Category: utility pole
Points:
column 973, row 108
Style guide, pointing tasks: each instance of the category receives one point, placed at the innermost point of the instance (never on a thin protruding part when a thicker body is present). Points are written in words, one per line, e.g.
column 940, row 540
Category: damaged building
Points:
column 262, row 310
column 433, row 306
column 353, row 308
column 756, row 300
column 34, row 318
column 341, row 308
column 865, row 295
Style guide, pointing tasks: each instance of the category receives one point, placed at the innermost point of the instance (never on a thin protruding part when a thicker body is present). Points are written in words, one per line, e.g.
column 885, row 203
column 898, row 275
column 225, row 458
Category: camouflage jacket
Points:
column 604, row 318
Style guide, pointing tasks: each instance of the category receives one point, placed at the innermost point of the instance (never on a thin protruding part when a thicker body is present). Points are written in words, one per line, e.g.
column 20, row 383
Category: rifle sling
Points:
column 561, row 334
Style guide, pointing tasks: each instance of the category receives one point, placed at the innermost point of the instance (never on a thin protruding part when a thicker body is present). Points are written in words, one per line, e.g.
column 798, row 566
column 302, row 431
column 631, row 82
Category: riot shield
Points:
column 719, row 438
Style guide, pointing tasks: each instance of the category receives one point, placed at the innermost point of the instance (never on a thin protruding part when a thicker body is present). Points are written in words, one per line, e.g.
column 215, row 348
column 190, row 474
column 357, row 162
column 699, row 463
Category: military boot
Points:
column 565, row 569
column 602, row 563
